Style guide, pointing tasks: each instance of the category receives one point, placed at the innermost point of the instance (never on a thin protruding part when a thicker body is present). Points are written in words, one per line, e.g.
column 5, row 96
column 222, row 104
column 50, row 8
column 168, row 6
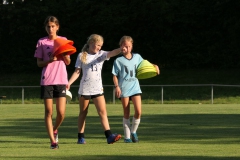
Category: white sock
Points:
column 135, row 124
column 126, row 128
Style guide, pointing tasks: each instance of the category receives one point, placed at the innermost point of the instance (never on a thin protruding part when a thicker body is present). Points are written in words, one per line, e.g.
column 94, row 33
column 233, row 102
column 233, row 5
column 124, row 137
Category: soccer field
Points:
column 166, row 132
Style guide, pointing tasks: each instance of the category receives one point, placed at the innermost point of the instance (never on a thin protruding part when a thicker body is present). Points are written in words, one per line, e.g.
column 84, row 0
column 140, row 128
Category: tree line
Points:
column 171, row 33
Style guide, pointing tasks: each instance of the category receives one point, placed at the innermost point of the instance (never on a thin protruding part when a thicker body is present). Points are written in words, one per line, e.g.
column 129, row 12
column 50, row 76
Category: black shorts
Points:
column 91, row 96
column 130, row 97
column 53, row 91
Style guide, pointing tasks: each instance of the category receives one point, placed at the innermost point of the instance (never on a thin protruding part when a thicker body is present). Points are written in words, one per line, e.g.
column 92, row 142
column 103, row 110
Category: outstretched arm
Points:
column 114, row 52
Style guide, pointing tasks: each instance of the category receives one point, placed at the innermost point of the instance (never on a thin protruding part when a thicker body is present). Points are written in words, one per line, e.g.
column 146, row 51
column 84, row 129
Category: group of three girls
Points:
column 54, row 82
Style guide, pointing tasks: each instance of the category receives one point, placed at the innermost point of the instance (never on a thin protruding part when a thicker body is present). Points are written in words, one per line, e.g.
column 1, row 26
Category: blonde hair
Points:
column 94, row 38
column 124, row 39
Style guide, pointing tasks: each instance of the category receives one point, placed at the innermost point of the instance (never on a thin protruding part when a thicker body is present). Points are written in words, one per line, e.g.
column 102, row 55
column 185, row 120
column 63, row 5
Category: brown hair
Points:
column 51, row 19
column 124, row 39
column 94, row 38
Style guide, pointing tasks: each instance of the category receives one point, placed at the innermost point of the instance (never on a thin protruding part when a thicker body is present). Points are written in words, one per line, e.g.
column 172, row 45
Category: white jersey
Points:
column 91, row 81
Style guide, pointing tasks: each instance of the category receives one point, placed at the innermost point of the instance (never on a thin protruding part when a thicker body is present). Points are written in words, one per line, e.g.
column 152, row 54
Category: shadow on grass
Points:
column 180, row 128
column 168, row 128
column 191, row 128
column 121, row 157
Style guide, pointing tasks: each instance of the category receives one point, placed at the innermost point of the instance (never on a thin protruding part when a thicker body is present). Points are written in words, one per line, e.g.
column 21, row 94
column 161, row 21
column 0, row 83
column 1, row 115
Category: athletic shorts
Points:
column 53, row 91
column 130, row 97
column 91, row 96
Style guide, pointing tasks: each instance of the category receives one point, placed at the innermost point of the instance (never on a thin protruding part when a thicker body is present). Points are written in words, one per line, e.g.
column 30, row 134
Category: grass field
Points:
column 166, row 132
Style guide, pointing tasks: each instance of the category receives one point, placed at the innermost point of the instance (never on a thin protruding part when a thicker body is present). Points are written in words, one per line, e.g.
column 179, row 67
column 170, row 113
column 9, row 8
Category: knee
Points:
column 48, row 113
column 61, row 115
column 102, row 113
column 137, row 114
column 83, row 113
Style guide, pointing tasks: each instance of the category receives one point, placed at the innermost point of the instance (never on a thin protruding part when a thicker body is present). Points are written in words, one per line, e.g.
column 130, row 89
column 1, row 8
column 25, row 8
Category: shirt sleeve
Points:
column 39, row 50
column 78, row 63
column 104, row 55
column 116, row 68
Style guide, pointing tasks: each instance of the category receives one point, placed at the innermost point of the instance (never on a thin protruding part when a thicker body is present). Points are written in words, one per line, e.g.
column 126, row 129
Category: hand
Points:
column 68, row 87
column 157, row 68
column 124, row 50
column 64, row 54
column 121, row 49
column 52, row 58
column 118, row 92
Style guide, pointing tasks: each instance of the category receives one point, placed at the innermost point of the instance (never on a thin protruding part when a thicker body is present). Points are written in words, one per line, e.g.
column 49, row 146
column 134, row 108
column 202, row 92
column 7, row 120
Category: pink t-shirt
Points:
column 54, row 73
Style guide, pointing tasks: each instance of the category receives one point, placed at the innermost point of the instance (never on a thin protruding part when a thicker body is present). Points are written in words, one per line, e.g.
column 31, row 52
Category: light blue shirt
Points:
column 126, row 70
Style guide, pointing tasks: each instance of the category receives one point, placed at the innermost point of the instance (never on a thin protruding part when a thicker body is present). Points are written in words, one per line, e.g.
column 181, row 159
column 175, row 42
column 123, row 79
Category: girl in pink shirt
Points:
column 53, row 79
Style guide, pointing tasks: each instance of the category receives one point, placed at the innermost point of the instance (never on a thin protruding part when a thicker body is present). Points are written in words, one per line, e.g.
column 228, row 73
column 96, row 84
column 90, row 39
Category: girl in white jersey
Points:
column 127, row 87
column 53, row 79
column 90, row 62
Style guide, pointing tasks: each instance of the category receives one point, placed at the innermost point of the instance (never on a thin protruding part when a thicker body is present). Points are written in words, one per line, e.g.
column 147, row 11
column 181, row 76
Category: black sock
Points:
column 107, row 133
column 80, row 135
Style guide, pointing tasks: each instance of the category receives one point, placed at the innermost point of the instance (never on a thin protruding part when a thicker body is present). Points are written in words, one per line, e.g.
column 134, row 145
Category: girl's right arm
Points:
column 117, row 88
column 74, row 77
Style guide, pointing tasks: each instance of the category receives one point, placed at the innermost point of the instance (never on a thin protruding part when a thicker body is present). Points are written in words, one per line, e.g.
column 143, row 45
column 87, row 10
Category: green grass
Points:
column 166, row 132
column 151, row 95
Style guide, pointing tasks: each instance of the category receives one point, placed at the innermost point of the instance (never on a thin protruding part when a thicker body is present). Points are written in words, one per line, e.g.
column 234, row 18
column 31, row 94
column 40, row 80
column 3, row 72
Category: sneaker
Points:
column 134, row 137
column 55, row 133
column 54, row 146
column 81, row 141
column 113, row 138
column 127, row 140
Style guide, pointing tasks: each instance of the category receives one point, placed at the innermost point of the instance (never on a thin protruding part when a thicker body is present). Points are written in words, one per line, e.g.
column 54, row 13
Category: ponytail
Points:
column 83, row 58
column 92, row 39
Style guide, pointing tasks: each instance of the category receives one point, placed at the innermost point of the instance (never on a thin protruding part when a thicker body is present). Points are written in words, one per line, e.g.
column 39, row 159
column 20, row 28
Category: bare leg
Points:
column 126, row 107
column 102, row 111
column 48, row 118
column 60, row 107
column 137, row 102
column 83, row 107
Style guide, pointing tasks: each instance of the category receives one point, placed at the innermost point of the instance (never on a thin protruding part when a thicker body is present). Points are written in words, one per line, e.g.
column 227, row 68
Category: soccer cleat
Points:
column 55, row 133
column 113, row 138
column 134, row 137
column 54, row 146
column 128, row 140
column 81, row 141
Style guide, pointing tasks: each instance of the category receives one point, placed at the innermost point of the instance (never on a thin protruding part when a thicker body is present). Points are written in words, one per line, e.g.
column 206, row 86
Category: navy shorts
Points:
column 91, row 96
column 53, row 91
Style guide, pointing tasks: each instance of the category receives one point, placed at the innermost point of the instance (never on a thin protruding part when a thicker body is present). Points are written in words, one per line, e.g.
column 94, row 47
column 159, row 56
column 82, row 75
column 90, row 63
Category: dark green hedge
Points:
column 170, row 33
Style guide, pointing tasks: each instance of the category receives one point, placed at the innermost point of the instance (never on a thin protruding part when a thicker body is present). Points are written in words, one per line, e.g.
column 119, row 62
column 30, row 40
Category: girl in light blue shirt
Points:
column 127, row 87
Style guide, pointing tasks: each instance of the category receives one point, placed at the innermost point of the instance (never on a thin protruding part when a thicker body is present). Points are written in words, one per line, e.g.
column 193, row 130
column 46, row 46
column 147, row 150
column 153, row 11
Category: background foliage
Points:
column 170, row 33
